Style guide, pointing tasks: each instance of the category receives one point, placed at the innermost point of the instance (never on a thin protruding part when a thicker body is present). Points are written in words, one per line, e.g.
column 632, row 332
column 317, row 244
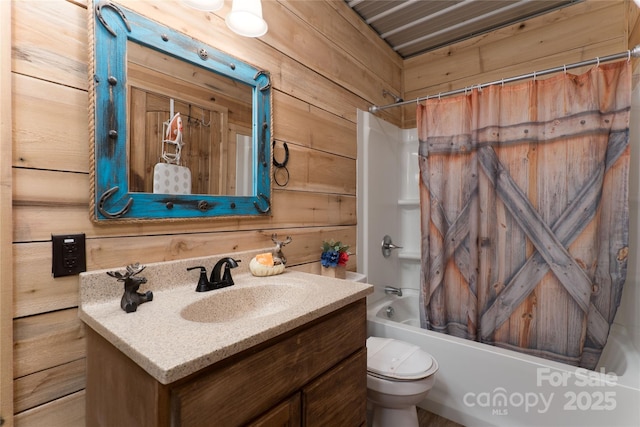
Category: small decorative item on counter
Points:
column 131, row 298
column 265, row 265
column 277, row 251
column 334, row 259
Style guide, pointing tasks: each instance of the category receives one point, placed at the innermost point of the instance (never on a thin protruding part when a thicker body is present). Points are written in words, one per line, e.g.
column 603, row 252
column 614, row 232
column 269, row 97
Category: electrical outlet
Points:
column 69, row 255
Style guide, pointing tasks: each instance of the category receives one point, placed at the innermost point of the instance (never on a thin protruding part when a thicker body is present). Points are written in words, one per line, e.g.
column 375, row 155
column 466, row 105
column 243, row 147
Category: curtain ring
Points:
column 629, row 56
column 598, row 61
column 503, row 82
column 534, row 76
column 565, row 69
column 439, row 96
column 286, row 155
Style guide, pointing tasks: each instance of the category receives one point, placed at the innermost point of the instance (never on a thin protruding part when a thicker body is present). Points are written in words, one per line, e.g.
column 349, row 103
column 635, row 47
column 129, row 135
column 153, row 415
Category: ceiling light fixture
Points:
column 244, row 19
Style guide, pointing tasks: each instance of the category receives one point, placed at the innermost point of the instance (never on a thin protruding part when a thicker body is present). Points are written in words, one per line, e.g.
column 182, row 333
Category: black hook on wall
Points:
column 281, row 166
column 286, row 155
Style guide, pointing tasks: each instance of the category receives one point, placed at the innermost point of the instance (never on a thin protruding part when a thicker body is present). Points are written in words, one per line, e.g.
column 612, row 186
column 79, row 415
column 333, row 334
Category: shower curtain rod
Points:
column 635, row 52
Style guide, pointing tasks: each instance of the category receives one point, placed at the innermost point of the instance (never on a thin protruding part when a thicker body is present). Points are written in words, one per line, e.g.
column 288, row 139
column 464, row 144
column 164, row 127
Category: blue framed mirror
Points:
column 181, row 129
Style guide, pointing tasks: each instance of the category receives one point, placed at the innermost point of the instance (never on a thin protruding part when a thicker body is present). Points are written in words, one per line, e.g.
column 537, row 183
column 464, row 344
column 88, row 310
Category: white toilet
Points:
column 399, row 376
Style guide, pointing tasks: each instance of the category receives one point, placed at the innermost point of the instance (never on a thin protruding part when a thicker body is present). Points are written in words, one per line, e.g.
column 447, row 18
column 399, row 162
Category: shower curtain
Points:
column 524, row 212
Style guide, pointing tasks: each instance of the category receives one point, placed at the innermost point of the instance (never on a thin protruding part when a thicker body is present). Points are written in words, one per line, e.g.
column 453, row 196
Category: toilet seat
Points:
column 396, row 360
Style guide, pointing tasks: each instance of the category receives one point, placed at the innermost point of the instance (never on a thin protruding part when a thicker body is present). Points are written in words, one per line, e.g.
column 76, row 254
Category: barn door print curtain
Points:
column 524, row 212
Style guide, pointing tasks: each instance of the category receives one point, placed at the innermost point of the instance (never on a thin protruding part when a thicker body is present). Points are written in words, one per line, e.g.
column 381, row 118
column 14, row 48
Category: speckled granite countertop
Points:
column 169, row 347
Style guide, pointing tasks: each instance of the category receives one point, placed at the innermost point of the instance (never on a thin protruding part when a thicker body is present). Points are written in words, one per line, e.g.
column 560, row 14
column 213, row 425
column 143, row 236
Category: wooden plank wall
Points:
column 583, row 31
column 6, row 221
column 325, row 64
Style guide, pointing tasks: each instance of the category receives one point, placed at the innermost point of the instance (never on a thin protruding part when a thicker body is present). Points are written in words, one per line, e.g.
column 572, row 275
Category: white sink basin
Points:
column 247, row 302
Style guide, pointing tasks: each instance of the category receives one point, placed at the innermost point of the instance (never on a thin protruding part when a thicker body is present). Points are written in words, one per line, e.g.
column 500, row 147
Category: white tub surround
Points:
column 169, row 347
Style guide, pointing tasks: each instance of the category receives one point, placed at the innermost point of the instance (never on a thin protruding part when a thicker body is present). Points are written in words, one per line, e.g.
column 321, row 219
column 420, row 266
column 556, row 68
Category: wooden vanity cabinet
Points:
column 314, row 375
column 286, row 414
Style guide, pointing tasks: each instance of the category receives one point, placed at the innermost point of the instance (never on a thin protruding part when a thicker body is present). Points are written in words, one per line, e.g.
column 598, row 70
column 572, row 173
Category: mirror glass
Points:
column 182, row 130
column 214, row 114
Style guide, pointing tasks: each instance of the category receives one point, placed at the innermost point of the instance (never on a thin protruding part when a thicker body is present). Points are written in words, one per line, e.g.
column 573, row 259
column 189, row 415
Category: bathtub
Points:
column 479, row 384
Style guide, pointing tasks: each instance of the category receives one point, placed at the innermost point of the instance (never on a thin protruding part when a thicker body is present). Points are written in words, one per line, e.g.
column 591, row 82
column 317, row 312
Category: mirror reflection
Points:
column 189, row 128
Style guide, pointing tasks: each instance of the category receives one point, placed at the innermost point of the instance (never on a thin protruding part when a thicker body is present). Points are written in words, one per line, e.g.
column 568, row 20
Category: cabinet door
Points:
column 339, row 397
column 286, row 414
column 244, row 387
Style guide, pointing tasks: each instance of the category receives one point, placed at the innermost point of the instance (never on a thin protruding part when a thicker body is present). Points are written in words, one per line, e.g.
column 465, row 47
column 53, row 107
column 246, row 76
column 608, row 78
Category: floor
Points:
column 429, row 419
column 426, row 419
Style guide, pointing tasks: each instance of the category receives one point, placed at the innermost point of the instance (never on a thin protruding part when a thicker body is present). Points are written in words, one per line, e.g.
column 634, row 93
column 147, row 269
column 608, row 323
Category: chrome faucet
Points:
column 216, row 282
column 390, row 290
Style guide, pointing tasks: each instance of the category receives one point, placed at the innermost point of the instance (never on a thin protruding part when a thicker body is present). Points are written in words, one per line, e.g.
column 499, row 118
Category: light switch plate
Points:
column 69, row 254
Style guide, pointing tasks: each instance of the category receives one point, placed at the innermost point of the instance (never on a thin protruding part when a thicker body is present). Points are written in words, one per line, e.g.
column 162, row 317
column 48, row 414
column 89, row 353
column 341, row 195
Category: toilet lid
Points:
column 396, row 359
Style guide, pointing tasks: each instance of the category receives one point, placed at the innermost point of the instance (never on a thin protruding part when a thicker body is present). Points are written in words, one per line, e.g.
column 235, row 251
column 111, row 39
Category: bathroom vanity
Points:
column 297, row 362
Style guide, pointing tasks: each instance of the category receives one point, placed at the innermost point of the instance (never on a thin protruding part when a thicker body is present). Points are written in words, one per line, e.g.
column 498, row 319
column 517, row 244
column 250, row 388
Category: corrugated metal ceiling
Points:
column 412, row 27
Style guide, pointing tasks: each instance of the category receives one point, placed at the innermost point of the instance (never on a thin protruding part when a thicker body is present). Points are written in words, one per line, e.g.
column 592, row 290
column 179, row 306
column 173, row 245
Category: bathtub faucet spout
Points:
column 390, row 290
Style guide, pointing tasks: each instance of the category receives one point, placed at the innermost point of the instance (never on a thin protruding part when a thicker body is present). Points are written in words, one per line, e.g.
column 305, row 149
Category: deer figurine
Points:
column 277, row 251
column 131, row 298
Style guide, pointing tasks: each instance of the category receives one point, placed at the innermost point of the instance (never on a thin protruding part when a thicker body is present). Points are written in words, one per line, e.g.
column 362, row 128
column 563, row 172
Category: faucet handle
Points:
column 390, row 290
column 203, row 283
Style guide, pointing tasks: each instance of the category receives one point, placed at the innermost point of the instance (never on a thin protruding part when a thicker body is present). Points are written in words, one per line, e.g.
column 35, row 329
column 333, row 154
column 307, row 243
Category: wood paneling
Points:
column 66, row 411
column 296, row 38
column 50, row 41
column 6, row 220
column 340, row 30
column 572, row 34
column 50, row 125
column 47, row 385
column 47, row 340
column 633, row 29
column 298, row 121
